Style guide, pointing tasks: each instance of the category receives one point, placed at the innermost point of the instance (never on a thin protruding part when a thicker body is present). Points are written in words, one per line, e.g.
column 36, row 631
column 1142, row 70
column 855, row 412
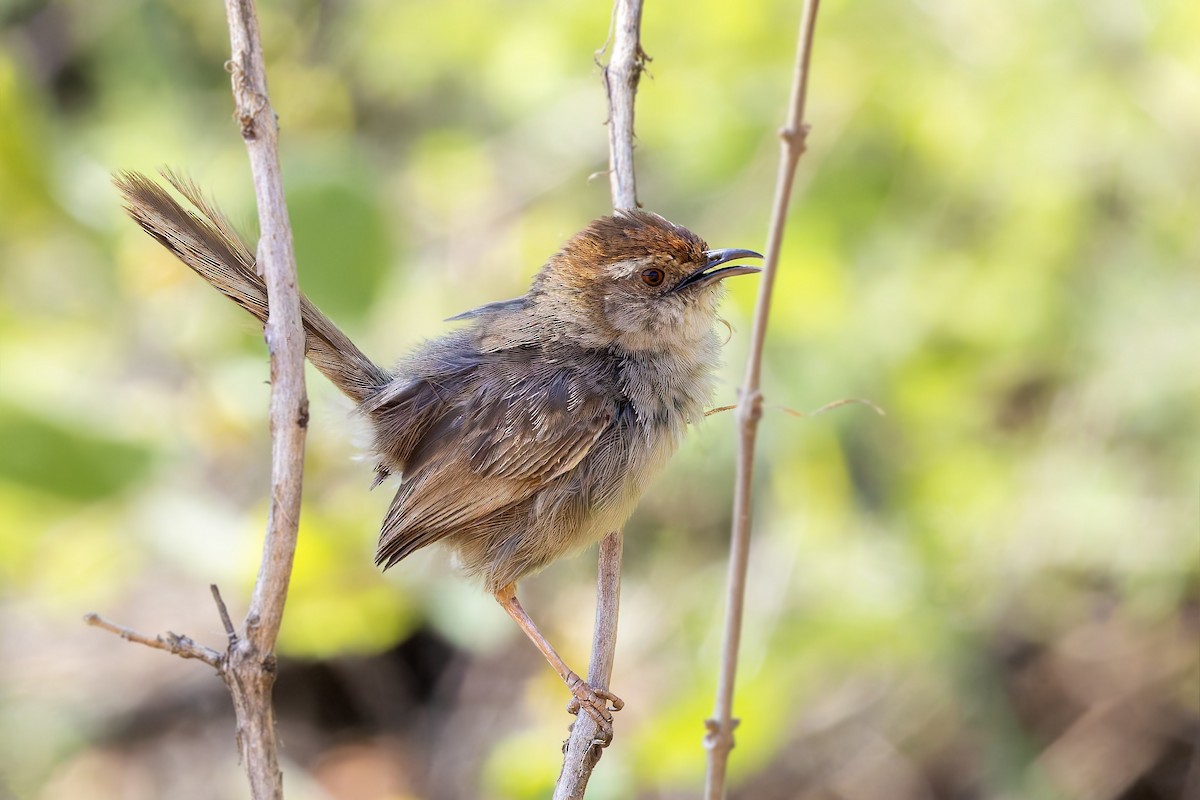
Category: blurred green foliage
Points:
column 994, row 238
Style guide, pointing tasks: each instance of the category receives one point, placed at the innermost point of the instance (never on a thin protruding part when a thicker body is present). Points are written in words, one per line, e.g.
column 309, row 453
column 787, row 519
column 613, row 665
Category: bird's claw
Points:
column 596, row 704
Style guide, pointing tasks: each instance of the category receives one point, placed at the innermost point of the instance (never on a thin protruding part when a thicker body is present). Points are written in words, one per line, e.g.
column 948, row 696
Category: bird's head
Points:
column 637, row 281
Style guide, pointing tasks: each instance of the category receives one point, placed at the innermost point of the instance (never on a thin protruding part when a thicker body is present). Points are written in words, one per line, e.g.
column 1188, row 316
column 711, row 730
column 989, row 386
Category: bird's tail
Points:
column 206, row 241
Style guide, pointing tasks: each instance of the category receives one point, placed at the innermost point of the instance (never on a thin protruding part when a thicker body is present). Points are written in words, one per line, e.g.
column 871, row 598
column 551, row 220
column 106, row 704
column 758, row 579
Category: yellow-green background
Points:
column 994, row 238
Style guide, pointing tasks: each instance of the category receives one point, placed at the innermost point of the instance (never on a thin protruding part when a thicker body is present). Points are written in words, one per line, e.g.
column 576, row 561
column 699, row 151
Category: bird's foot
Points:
column 595, row 703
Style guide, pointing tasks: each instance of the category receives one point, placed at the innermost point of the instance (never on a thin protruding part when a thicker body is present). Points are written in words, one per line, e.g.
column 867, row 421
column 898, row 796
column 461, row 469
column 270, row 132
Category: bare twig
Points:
column 719, row 739
column 621, row 76
column 181, row 646
column 248, row 665
column 223, row 613
column 830, row 406
column 250, row 673
column 585, row 746
column 583, row 749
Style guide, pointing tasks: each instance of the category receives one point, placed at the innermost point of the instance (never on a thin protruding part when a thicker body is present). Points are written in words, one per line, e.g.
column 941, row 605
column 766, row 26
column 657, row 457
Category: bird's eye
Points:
column 652, row 276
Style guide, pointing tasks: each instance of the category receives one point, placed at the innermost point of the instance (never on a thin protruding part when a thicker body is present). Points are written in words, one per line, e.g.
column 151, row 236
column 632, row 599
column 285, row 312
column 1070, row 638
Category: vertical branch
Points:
column 248, row 664
column 621, row 76
column 250, row 671
column 585, row 746
column 719, row 740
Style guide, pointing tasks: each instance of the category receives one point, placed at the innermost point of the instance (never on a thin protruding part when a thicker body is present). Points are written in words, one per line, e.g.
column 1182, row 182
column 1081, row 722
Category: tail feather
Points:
column 207, row 243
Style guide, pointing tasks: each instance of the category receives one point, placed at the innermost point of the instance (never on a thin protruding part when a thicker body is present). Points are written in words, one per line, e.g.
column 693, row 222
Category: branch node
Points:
column 796, row 137
column 750, row 410
column 717, row 739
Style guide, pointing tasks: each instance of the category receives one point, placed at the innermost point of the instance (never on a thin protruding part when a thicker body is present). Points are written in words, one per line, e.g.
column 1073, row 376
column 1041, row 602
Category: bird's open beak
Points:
column 707, row 274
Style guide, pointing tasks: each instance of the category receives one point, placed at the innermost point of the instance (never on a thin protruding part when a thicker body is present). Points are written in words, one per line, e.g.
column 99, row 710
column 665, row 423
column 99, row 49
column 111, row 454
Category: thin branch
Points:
column 583, row 750
column 223, row 612
column 181, row 646
column 585, row 746
column 284, row 333
column 719, row 739
column 250, row 674
column 248, row 665
column 621, row 77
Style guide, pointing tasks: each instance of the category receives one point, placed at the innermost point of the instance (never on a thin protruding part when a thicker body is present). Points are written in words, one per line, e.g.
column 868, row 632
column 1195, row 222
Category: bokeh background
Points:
column 992, row 592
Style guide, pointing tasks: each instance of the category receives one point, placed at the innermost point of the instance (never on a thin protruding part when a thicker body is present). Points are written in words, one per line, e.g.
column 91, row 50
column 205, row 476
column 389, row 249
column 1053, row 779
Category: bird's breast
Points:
column 669, row 390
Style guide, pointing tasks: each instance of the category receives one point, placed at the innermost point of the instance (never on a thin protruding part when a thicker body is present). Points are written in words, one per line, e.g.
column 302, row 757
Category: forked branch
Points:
column 248, row 665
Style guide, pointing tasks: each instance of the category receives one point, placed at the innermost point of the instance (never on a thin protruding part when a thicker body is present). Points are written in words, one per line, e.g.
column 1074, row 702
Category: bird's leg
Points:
column 593, row 701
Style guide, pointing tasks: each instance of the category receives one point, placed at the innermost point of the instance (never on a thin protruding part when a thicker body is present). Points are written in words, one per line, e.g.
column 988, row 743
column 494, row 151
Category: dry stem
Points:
column 621, row 77
column 248, row 665
column 250, row 673
column 284, row 333
column 181, row 646
column 719, row 739
column 584, row 748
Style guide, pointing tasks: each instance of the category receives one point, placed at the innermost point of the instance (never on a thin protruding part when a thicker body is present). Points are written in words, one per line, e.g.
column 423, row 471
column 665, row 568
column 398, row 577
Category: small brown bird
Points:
column 532, row 430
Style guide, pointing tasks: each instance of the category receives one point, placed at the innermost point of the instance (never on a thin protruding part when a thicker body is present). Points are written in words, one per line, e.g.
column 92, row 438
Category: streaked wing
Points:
column 510, row 429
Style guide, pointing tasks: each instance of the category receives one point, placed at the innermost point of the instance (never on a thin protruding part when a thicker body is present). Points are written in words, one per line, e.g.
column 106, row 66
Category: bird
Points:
column 530, row 430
